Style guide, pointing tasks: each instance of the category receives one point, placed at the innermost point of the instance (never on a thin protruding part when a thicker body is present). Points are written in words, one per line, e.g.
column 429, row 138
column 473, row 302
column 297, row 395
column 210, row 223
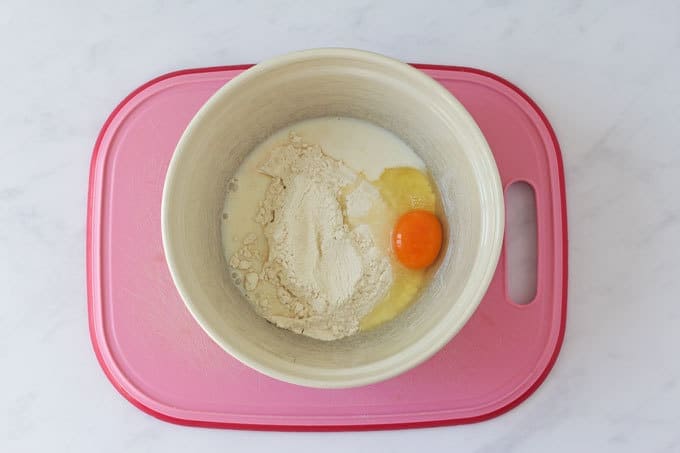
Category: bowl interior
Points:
column 332, row 83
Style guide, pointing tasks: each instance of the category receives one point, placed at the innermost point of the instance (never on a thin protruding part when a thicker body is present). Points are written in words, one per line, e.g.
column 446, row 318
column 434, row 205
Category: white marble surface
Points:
column 605, row 72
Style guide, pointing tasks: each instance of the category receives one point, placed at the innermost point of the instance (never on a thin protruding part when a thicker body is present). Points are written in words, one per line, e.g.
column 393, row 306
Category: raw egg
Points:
column 404, row 190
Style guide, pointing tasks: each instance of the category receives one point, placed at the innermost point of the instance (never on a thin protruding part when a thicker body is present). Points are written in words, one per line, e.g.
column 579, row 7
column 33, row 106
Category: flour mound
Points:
column 320, row 273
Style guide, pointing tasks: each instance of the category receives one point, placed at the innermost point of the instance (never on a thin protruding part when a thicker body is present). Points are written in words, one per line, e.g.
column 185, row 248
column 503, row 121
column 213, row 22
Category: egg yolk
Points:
column 417, row 238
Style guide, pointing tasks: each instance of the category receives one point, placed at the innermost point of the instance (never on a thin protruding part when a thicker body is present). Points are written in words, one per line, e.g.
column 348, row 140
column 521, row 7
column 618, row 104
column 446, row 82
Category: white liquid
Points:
column 361, row 145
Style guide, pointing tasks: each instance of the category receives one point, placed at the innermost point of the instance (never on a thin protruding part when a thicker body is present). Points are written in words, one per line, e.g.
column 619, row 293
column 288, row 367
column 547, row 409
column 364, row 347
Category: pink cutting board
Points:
column 157, row 356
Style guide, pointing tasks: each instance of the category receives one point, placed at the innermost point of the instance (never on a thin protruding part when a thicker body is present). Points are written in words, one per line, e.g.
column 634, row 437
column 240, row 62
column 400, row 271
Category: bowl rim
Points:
column 482, row 269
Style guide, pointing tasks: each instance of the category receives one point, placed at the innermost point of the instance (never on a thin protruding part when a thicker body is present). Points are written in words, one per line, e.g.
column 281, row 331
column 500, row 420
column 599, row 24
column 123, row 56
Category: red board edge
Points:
column 301, row 428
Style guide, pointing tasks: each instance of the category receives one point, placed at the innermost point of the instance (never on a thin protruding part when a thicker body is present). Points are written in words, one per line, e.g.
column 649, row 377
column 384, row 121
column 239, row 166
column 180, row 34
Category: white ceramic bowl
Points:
column 332, row 82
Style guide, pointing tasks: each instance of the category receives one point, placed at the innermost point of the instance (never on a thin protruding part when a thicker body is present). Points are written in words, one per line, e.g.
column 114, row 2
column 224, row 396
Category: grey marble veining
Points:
column 606, row 74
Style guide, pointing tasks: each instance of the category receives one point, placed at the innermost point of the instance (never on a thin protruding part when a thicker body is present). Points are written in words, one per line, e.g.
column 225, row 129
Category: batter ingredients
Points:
column 308, row 222
column 322, row 273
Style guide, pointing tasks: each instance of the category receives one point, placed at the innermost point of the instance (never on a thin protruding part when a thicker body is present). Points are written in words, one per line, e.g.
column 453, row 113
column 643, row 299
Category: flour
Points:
column 318, row 271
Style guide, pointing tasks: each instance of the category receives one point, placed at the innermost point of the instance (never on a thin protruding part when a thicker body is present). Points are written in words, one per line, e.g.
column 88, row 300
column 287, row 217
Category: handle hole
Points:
column 521, row 243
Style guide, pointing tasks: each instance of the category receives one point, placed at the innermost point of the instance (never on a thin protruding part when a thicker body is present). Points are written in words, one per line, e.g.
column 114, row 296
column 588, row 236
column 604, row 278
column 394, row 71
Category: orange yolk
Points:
column 417, row 238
